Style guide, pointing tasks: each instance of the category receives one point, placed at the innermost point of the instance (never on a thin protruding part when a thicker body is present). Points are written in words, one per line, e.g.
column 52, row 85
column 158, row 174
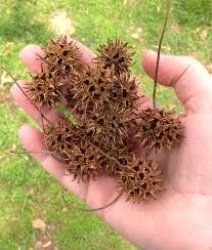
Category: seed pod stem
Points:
column 168, row 8
column 18, row 85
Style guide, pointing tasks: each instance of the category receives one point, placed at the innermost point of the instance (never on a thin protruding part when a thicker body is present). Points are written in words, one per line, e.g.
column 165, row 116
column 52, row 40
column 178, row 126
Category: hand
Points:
column 181, row 218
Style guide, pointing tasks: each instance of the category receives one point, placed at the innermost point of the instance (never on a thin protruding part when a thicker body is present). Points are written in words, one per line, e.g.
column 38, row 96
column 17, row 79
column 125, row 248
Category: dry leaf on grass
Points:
column 176, row 28
column 62, row 23
column 203, row 35
column 137, row 33
column 5, row 78
column 209, row 68
column 39, row 224
column 47, row 244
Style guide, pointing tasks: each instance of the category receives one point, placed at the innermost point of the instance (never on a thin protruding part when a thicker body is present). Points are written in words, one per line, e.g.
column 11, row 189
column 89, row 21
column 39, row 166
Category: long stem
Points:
column 18, row 85
column 99, row 208
column 168, row 8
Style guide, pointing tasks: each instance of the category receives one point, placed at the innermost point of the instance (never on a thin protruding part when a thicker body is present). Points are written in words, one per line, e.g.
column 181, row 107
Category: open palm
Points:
column 181, row 218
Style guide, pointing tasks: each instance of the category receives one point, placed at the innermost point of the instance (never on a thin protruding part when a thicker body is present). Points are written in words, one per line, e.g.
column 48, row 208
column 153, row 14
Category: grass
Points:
column 26, row 191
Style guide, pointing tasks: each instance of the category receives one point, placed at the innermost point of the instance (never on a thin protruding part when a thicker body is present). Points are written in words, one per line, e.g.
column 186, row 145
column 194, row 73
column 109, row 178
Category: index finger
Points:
column 31, row 57
column 31, row 53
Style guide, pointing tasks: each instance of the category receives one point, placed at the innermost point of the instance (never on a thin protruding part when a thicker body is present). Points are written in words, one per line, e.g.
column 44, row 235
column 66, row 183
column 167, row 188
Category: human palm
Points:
column 181, row 217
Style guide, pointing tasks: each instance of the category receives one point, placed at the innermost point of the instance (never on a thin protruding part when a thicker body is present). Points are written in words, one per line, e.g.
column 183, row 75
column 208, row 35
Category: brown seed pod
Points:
column 124, row 91
column 141, row 180
column 99, row 91
column 61, row 137
column 83, row 161
column 44, row 89
column 109, row 133
column 90, row 88
column 158, row 129
column 62, row 56
column 115, row 55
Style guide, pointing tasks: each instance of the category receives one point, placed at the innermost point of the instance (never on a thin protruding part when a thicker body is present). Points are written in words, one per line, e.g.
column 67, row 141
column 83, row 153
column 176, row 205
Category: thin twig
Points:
column 14, row 153
column 99, row 149
column 103, row 153
column 168, row 8
column 18, row 85
column 99, row 208
column 42, row 122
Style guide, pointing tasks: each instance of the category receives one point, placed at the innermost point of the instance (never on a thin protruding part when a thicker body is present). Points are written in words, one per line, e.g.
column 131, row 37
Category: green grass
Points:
column 26, row 191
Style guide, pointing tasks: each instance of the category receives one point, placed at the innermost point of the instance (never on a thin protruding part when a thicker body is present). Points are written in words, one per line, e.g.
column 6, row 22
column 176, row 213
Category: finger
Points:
column 30, row 56
column 93, row 192
column 54, row 167
column 143, row 102
column 188, row 77
column 52, row 115
column 87, row 54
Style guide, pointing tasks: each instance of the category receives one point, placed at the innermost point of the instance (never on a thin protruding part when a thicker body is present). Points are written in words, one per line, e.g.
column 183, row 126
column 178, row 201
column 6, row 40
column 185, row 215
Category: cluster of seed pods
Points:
column 103, row 96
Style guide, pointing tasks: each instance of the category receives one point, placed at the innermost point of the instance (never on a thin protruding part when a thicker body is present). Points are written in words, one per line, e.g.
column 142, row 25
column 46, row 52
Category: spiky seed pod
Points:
column 99, row 90
column 45, row 89
column 112, row 141
column 113, row 168
column 141, row 180
column 61, row 137
column 115, row 55
column 62, row 56
column 158, row 129
column 83, row 161
column 124, row 90
column 109, row 131
column 90, row 88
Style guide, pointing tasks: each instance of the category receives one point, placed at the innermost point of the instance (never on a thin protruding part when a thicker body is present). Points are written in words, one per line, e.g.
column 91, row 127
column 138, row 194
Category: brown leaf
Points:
column 47, row 244
column 209, row 68
column 5, row 78
column 203, row 35
column 65, row 209
column 39, row 224
column 176, row 28
column 8, row 48
column 137, row 33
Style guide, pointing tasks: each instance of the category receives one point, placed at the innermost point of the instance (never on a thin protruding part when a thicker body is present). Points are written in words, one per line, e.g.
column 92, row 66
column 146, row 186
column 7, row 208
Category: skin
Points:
column 181, row 217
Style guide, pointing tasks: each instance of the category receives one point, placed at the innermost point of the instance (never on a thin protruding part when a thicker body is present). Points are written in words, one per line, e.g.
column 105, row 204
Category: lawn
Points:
column 34, row 214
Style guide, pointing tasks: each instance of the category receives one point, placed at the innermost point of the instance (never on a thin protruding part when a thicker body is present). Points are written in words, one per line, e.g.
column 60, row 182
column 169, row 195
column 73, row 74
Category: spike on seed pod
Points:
column 83, row 161
column 90, row 88
column 45, row 89
column 109, row 130
column 115, row 55
column 60, row 137
column 100, row 90
column 141, row 180
column 158, row 129
column 62, row 56
column 124, row 90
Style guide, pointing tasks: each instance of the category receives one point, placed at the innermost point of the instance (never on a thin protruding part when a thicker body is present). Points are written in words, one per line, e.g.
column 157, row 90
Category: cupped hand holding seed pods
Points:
column 180, row 218
column 103, row 96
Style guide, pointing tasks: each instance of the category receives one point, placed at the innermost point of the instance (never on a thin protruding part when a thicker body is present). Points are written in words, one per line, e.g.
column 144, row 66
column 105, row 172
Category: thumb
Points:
column 188, row 77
